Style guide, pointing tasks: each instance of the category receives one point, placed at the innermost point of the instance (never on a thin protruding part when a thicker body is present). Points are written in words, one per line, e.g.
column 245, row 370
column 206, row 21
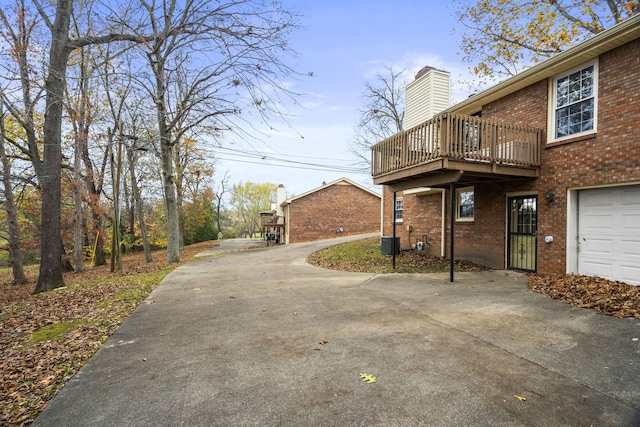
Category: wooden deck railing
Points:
column 455, row 136
column 271, row 220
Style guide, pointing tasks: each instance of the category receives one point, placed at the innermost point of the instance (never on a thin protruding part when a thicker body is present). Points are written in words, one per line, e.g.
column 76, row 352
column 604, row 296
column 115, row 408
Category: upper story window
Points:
column 464, row 204
column 575, row 101
column 399, row 210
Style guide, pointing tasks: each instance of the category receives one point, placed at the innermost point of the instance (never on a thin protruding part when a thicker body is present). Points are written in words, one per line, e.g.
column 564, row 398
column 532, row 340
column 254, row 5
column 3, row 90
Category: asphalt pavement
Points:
column 261, row 338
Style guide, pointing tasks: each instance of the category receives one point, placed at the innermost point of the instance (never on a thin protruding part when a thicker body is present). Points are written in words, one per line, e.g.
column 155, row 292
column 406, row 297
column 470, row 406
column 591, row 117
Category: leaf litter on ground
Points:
column 46, row 338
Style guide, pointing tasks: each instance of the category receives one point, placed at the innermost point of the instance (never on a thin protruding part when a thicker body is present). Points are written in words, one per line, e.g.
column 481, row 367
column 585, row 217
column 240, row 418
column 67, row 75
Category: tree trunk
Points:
column 12, row 216
column 171, row 204
column 50, row 274
column 94, row 190
column 166, row 154
column 137, row 202
column 78, row 232
column 218, row 208
column 179, row 202
column 98, row 243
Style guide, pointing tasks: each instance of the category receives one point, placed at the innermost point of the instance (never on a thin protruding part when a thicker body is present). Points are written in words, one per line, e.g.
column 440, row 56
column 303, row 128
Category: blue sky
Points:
column 344, row 43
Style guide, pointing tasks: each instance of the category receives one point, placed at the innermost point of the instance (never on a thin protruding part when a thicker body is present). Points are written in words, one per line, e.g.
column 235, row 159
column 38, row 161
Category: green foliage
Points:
column 198, row 220
column 247, row 201
column 229, row 233
column 29, row 256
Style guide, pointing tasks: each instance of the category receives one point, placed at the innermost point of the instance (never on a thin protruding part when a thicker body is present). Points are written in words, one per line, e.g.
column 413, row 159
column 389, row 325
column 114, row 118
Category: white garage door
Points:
column 609, row 233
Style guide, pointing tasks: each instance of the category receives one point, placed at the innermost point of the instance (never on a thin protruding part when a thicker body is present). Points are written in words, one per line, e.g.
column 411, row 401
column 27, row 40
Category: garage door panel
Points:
column 596, row 198
column 609, row 233
column 631, row 248
column 602, row 222
column 631, row 221
column 630, row 274
column 629, row 197
column 593, row 268
column 597, row 246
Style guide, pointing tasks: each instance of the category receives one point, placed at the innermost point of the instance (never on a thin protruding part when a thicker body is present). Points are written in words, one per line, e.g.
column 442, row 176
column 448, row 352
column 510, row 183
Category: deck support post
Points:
column 393, row 213
column 452, row 194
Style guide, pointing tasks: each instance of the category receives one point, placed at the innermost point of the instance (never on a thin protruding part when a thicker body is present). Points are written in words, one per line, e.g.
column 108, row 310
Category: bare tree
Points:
column 132, row 157
column 223, row 188
column 206, row 59
column 230, row 52
column 382, row 113
column 133, row 110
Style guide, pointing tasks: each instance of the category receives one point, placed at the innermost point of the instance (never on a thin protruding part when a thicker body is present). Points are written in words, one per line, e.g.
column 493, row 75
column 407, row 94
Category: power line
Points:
column 261, row 154
column 327, row 168
column 269, row 160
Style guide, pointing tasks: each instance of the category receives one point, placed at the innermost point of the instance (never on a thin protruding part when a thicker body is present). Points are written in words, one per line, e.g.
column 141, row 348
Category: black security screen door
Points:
column 521, row 239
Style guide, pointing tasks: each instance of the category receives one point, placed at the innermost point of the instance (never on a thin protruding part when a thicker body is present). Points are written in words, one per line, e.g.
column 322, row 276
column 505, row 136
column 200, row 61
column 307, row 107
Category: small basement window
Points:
column 399, row 210
column 464, row 204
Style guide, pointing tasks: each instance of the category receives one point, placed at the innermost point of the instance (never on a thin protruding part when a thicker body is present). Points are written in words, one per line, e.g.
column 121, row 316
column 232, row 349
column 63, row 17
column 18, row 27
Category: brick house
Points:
column 538, row 173
column 341, row 207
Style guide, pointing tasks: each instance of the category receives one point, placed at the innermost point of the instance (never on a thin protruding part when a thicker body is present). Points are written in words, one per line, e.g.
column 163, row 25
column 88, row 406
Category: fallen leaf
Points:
column 520, row 398
column 368, row 378
column 322, row 342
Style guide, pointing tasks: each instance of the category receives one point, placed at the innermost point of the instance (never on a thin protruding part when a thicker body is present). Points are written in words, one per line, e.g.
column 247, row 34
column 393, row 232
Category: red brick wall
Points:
column 611, row 156
column 422, row 213
column 320, row 214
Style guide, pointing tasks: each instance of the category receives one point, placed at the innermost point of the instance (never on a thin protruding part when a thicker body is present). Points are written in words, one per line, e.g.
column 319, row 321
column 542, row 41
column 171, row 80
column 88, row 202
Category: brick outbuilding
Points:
column 341, row 207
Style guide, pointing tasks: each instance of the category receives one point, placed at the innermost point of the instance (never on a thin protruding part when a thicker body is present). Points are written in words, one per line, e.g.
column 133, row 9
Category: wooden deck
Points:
column 456, row 148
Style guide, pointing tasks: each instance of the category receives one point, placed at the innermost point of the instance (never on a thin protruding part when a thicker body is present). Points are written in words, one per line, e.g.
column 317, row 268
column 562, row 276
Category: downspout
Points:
column 382, row 212
column 443, row 250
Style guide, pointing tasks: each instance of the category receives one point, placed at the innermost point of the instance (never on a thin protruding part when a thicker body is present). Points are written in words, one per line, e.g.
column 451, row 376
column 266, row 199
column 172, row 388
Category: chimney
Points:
column 281, row 196
column 426, row 96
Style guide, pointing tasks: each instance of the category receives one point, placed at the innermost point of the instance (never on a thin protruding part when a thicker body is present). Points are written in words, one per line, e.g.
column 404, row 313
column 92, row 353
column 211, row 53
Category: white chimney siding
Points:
column 426, row 96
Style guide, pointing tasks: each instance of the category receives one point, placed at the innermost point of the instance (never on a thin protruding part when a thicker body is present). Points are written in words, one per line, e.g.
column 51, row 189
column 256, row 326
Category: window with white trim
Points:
column 464, row 204
column 399, row 210
column 575, row 101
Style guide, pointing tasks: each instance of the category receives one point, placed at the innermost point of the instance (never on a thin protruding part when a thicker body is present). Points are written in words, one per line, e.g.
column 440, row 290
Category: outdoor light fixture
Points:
column 549, row 196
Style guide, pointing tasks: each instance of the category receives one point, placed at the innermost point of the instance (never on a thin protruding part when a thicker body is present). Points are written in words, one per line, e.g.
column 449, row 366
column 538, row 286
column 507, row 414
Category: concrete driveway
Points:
column 262, row 338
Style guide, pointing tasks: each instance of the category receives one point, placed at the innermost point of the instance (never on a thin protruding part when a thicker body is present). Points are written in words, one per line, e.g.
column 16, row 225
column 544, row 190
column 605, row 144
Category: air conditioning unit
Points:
column 387, row 246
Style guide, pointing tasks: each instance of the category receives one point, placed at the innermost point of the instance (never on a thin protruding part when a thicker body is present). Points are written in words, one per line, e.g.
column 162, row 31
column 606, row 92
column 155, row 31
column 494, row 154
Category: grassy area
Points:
column 366, row 256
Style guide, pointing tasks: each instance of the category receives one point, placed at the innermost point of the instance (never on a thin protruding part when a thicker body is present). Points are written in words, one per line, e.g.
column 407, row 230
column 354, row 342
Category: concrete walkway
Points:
column 262, row 338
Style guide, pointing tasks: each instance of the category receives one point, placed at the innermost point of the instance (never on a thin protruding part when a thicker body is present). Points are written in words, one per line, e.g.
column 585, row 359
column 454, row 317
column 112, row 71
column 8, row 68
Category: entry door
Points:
column 521, row 237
